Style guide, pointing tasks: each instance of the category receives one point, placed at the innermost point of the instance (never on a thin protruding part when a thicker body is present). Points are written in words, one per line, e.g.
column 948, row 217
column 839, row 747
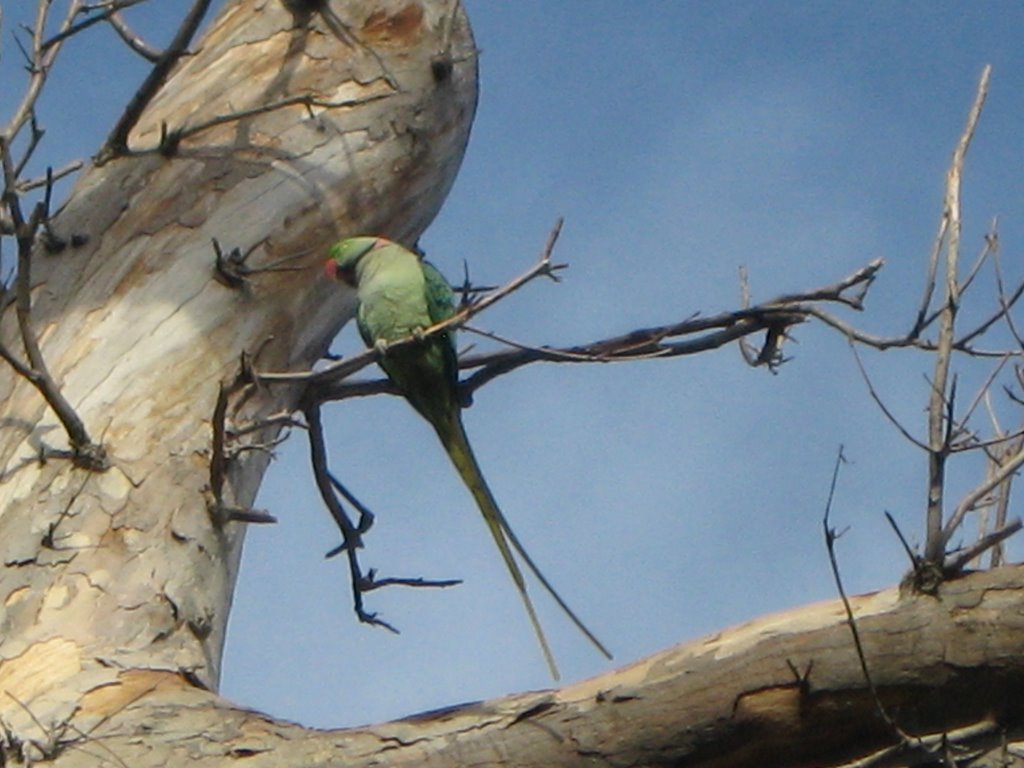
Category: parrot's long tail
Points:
column 455, row 442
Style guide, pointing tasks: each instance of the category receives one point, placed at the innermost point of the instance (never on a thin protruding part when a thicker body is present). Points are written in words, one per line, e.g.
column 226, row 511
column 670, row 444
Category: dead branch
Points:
column 84, row 452
column 938, row 403
column 1001, row 293
column 117, row 142
column 99, row 12
column 39, row 61
column 970, row 501
column 232, row 269
column 170, row 139
column 352, row 533
column 221, row 512
column 1006, row 303
column 132, row 40
column 885, row 343
column 881, row 403
column 999, row 452
column 344, row 368
column 956, row 562
column 712, row 332
column 831, row 536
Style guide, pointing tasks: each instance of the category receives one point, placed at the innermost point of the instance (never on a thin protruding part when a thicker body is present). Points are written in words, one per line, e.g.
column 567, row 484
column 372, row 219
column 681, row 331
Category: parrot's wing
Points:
column 441, row 306
column 440, row 296
column 364, row 330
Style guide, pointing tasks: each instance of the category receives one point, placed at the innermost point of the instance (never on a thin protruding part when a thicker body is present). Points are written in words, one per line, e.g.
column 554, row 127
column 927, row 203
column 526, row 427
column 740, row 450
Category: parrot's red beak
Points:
column 331, row 269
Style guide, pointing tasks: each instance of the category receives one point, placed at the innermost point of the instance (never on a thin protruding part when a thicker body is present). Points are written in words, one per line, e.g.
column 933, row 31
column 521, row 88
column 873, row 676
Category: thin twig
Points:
column 86, row 454
column 351, row 535
column 979, row 398
column 345, row 368
column 830, row 539
column 930, row 743
column 986, row 252
column 40, row 62
column 956, row 561
column 220, row 512
column 371, row 582
column 73, row 29
column 366, row 516
column 117, row 142
column 884, row 343
column 1006, row 304
column 642, row 344
column 172, row 138
column 50, row 177
column 914, row 559
column 1007, row 316
column 881, row 404
column 969, row 502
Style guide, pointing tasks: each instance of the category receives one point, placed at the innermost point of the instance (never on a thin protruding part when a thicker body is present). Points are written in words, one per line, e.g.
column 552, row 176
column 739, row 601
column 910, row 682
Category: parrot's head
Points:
column 345, row 255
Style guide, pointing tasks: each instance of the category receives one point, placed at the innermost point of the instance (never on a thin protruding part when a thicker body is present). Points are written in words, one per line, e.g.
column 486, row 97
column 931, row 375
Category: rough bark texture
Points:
column 115, row 586
column 946, row 664
column 109, row 577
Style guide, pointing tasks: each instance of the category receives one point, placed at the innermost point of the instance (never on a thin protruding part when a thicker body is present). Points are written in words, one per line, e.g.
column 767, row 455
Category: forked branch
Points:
column 690, row 336
column 352, row 533
column 84, row 452
column 117, row 142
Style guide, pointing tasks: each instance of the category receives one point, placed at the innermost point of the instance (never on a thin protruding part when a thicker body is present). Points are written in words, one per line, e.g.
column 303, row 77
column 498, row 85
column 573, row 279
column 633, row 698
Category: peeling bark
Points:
column 950, row 664
column 286, row 130
column 282, row 133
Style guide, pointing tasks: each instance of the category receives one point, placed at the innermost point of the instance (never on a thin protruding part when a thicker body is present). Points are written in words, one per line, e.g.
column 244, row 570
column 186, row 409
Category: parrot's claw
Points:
column 381, row 346
column 418, row 334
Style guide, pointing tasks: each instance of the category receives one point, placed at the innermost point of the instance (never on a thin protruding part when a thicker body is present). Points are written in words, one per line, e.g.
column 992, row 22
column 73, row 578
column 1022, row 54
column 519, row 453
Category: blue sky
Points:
column 665, row 499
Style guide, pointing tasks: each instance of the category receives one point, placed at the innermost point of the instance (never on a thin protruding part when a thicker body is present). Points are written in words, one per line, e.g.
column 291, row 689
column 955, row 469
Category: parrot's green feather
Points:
column 399, row 295
column 440, row 297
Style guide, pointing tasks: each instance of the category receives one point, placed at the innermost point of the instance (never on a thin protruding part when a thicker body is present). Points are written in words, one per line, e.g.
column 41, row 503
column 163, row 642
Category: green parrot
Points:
column 400, row 296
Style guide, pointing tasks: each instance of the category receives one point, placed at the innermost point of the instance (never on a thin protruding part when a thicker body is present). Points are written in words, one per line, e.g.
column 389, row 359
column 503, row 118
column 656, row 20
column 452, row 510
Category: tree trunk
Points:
column 284, row 132
column 291, row 127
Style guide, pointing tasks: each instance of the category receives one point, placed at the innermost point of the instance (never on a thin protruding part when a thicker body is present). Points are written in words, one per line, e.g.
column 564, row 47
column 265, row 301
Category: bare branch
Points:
column 929, row 284
column 85, row 453
column 170, row 139
column 979, row 398
column 345, row 368
column 117, row 142
column 351, row 534
column 970, row 501
column 132, row 40
column 773, row 317
column 986, row 251
column 101, row 11
column 38, row 64
column 50, row 177
column 881, row 404
column 831, row 535
column 938, row 447
column 1005, row 304
column 957, row 561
